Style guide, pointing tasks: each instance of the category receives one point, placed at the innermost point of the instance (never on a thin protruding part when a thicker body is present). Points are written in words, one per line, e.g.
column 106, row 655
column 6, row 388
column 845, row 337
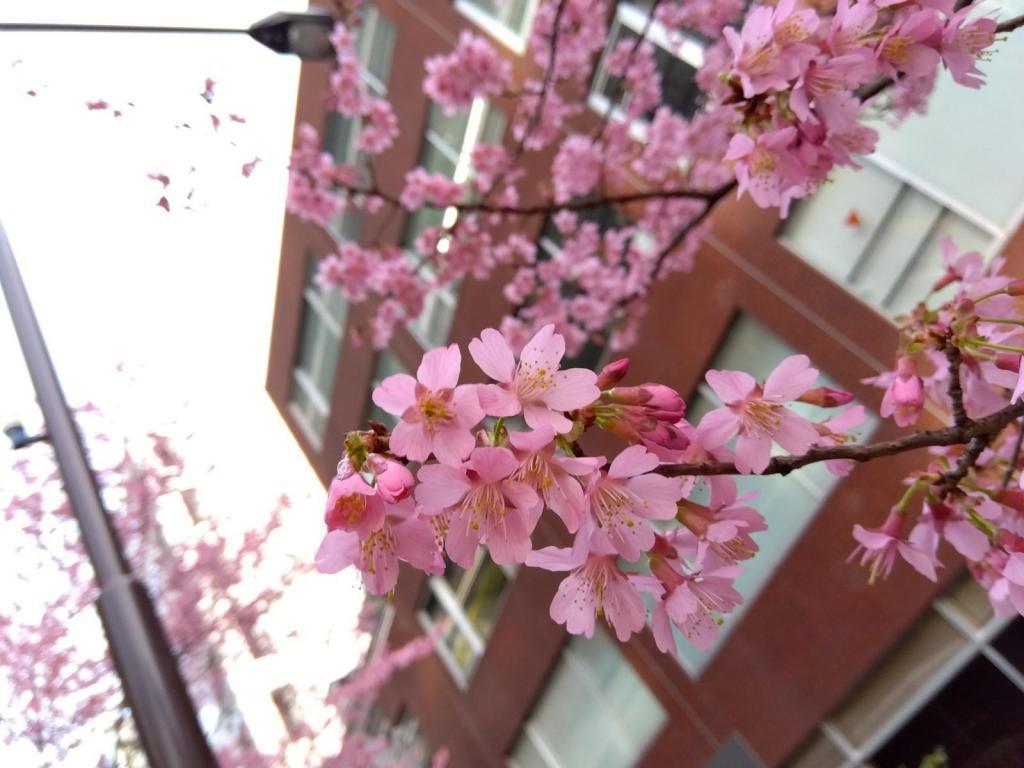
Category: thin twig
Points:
column 955, row 388
column 986, row 429
column 950, row 480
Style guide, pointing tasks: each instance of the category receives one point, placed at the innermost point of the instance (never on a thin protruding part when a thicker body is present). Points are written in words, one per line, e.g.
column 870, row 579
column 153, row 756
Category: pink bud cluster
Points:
column 491, row 486
column 963, row 357
column 782, row 104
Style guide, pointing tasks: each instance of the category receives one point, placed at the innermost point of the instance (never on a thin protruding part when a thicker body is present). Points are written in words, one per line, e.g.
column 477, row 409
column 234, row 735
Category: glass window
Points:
column 375, row 43
column 320, row 334
column 878, row 236
column 676, row 56
column 751, row 347
column 950, row 687
column 447, row 147
column 387, row 365
column 596, row 711
column 508, row 20
column 466, row 603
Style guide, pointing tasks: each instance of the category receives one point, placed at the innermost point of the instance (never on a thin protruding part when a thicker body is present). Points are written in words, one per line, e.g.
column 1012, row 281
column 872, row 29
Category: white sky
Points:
column 185, row 298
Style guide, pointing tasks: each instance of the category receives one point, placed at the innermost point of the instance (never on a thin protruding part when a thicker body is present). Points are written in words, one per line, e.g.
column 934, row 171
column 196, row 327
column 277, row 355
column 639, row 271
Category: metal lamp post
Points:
column 307, row 35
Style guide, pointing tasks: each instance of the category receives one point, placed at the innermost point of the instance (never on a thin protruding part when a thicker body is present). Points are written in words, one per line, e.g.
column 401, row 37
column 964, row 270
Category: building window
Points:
column 507, row 21
column 954, row 684
column 387, row 365
column 751, row 347
column 375, row 44
column 595, row 711
column 447, row 147
column 323, row 323
column 879, row 236
column 677, row 57
column 466, row 604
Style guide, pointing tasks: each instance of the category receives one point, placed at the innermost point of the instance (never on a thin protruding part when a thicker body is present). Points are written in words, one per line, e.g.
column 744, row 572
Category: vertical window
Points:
column 323, row 323
column 447, row 145
column 387, row 365
column 375, row 44
column 677, row 58
column 954, row 685
column 508, row 21
column 879, row 236
column 751, row 347
column 596, row 711
column 466, row 603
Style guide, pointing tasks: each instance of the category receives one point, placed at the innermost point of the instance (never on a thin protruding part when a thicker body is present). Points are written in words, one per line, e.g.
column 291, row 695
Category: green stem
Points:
column 496, row 435
column 990, row 345
column 1001, row 320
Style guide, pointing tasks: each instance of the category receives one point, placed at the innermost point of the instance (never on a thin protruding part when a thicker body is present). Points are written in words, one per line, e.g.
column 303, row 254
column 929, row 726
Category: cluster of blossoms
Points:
column 782, row 94
column 792, row 81
column 964, row 358
column 636, row 526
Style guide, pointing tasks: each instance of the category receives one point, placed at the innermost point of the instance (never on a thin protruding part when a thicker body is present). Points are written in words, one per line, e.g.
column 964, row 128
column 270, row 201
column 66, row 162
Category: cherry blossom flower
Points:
column 402, row 536
column 436, row 414
column 595, row 586
column 484, row 506
column 767, row 168
column 722, row 528
column 905, row 47
column 758, row 414
column 577, row 167
column 622, row 500
column 534, row 386
column 904, row 393
column 557, row 480
column 964, row 42
column 940, row 520
column 473, row 69
column 878, row 548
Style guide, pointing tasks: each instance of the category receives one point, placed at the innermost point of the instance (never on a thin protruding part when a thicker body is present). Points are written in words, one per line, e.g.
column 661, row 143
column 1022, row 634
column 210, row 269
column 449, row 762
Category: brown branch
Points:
column 950, row 480
column 955, row 389
column 985, row 429
column 1012, row 24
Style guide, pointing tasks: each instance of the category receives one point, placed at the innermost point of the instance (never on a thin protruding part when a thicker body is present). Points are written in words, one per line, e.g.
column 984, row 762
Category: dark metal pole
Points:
column 43, row 27
column 160, row 704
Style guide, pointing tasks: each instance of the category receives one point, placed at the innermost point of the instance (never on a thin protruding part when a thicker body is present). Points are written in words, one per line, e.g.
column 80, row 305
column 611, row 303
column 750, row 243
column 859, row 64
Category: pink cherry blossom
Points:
column 622, row 500
column 557, row 480
column 722, row 528
column 577, row 167
column 472, row 69
column 484, row 505
column 906, row 48
column 940, row 520
column 437, row 416
column 878, row 548
column 904, row 394
column 767, row 168
column 758, row 414
column 534, row 386
column 963, row 43
column 595, row 586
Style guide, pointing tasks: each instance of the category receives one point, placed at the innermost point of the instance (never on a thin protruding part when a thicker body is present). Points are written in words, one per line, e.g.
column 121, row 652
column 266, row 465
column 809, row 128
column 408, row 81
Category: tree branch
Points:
column 985, row 429
column 956, row 392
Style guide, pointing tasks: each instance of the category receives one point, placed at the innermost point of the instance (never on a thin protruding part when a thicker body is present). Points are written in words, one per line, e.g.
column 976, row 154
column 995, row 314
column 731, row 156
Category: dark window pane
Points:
column 678, row 86
column 978, row 719
column 484, row 598
column 1010, row 643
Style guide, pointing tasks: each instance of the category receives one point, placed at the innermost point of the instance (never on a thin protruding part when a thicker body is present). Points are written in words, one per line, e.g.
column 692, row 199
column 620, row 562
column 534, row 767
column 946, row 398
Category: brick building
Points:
column 817, row 669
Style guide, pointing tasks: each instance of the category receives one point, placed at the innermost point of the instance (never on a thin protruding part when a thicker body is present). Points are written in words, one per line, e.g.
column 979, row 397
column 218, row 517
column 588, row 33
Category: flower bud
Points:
column 1015, row 288
column 825, row 397
column 1008, row 361
column 613, row 373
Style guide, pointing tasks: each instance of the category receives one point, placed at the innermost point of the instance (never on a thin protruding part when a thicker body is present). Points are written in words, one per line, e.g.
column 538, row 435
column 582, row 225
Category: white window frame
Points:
column 313, row 305
column 453, row 604
column 512, row 39
column 633, row 18
column 978, row 642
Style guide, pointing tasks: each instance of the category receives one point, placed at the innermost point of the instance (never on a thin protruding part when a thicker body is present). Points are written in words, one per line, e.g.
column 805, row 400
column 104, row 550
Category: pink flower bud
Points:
column 904, row 397
column 613, row 373
column 1008, row 361
column 825, row 397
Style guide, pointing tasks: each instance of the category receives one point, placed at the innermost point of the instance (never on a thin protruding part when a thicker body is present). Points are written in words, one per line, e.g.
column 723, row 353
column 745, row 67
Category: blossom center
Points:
column 531, row 381
column 483, row 503
column 435, row 410
column 760, row 416
column 349, row 509
column 613, row 506
column 897, row 49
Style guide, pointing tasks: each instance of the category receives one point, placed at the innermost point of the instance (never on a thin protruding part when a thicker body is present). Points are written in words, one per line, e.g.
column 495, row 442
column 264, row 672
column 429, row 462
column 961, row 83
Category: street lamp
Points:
column 306, row 34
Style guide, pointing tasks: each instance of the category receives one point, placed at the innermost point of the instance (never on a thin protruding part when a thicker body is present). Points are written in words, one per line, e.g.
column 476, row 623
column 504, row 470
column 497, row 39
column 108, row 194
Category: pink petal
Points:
column 661, row 628
column 411, row 441
column 966, row 539
column 496, row 400
column 870, row 538
column 753, row 452
column 655, row 488
column 462, row 540
column 635, row 460
column 440, row 486
column 509, row 542
column 520, row 495
column 493, row 464
column 337, row 551
column 575, row 606
column 794, row 433
column 565, row 498
column 466, row 402
column 539, row 416
column 415, row 544
column 532, row 442
column 440, row 367
column 701, row 630
column 545, row 349
column 624, row 608
column 919, row 561
column 630, row 541
column 396, row 393
column 790, row 379
column 573, row 389
column 1014, row 569
column 717, row 427
column 493, row 355
column 730, row 386
column 453, row 444
column 556, row 558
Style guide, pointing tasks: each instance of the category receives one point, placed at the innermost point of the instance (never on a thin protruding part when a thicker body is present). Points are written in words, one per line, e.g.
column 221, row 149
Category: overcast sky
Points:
column 185, row 298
